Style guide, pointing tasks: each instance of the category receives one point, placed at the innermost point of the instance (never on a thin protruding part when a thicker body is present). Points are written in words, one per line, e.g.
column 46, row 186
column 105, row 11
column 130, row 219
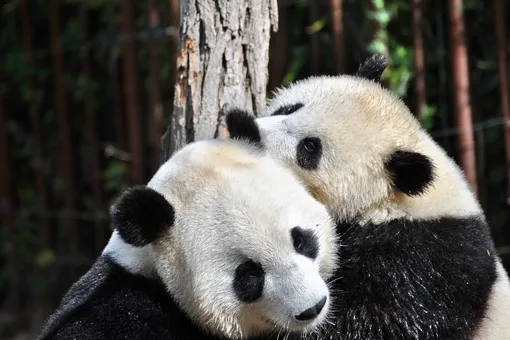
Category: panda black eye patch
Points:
column 305, row 242
column 249, row 281
column 309, row 153
column 287, row 110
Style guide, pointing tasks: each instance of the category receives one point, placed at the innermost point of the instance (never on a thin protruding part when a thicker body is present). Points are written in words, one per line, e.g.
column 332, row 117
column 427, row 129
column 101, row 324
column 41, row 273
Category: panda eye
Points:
column 287, row 110
column 249, row 281
column 305, row 242
column 297, row 242
column 309, row 153
column 310, row 145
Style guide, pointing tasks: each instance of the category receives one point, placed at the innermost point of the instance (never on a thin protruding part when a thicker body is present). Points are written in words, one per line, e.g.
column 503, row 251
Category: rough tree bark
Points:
column 222, row 62
column 499, row 13
column 419, row 62
column 463, row 106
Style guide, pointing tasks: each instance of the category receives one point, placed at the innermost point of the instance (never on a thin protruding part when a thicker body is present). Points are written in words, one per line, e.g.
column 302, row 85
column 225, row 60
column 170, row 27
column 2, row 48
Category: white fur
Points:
column 136, row 260
column 360, row 124
column 232, row 203
column 496, row 325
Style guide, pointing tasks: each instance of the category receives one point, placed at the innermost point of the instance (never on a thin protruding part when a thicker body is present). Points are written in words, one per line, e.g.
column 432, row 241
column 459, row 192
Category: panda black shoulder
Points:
column 110, row 303
column 422, row 260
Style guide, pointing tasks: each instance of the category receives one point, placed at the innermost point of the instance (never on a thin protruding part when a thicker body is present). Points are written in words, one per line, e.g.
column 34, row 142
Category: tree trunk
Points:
column 315, row 48
column 499, row 13
column 118, row 105
column 463, row 106
column 442, row 73
column 155, row 93
column 222, row 62
column 419, row 62
column 375, row 25
column 7, row 218
column 91, row 128
column 131, row 92
column 35, row 118
column 338, row 35
column 279, row 51
column 175, row 16
column 65, row 127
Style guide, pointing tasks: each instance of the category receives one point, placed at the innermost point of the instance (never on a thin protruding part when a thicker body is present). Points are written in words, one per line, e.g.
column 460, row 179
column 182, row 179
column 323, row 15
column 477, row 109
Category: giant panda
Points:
column 223, row 243
column 417, row 260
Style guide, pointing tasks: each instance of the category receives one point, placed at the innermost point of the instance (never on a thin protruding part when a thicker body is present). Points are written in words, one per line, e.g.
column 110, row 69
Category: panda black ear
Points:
column 140, row 214
column 373, row 67
column 242, row 125
column 411, row 172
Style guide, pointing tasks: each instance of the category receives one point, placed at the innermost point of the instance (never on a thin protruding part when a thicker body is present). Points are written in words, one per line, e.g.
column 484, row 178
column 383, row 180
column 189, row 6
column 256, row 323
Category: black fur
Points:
column 412, row 172
column 242, row 125
column 305, row 242
column 287, row 110
column 309, row 153
column 110, row 303
column 373, row 67
column 140, row 214
column 406, row 280
column 249, row 281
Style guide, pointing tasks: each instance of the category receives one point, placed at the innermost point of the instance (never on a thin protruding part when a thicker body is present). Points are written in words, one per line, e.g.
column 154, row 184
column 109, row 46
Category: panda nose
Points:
column 311, row 313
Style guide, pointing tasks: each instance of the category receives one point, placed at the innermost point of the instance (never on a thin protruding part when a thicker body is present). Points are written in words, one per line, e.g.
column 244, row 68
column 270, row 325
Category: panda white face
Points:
column 358, row 148
column 244, row 249
column 336, row 139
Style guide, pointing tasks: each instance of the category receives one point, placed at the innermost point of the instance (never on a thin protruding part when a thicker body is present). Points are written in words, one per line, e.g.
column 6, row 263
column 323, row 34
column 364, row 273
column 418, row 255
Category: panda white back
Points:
column 224, row 242
column 417, row 259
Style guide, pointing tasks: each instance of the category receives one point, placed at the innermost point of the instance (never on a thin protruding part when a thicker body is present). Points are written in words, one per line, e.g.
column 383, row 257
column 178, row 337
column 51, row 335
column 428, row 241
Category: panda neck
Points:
column 136, row 260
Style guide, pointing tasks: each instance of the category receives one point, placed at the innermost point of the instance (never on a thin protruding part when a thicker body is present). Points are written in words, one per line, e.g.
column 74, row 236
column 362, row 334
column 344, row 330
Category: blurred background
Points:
column 70, row 68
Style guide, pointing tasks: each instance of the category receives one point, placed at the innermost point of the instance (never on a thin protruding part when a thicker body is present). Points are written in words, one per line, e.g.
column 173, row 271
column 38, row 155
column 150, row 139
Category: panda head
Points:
column 237, row 240
column 358, row 148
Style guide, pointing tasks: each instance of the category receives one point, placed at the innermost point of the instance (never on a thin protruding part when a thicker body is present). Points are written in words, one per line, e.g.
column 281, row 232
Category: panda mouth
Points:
column 289, row 325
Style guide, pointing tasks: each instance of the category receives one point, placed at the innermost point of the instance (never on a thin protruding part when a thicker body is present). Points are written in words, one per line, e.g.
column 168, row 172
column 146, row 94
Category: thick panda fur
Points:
column 223, row 243
column 417, row 259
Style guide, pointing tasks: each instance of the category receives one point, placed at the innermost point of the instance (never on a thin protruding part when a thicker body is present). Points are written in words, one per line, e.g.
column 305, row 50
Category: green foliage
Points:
column 299, row 50
column 428, row 115
column 115, row 175
column 45, row 258
column 10, row 6
column 299, row 59
column 399, row 71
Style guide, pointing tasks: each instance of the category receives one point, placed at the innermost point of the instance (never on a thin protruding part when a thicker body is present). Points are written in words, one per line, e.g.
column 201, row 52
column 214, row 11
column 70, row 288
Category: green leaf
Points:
column 45, row 258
